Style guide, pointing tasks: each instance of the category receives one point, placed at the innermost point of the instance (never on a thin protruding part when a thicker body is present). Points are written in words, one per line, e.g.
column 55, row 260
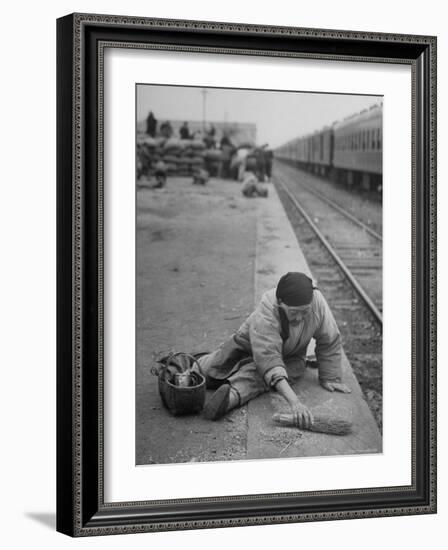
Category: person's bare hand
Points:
column 301, row 414
column 336, row 386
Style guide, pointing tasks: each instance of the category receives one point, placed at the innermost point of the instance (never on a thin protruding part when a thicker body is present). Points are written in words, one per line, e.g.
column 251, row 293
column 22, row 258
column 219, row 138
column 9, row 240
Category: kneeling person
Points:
column 252, row 188
column 268, row 352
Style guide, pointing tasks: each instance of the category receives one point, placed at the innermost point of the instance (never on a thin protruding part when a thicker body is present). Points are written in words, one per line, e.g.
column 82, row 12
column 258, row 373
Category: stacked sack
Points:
column 182, row 157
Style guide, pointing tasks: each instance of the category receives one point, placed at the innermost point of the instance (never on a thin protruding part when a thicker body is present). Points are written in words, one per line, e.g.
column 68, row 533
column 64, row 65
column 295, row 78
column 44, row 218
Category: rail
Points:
column 346, row 271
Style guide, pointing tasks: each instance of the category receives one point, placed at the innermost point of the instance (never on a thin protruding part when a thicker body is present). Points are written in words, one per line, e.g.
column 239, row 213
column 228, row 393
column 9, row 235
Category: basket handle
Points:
column 170, row 357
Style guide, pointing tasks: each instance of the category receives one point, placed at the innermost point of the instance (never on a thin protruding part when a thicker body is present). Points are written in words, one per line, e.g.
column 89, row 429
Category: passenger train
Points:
column 349, row 152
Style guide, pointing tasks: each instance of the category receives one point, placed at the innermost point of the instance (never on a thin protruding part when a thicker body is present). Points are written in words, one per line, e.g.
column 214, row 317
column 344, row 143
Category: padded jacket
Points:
column 265, row 335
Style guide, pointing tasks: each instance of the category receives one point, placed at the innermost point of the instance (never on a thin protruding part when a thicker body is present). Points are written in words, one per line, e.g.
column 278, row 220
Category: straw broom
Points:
column 322, row 424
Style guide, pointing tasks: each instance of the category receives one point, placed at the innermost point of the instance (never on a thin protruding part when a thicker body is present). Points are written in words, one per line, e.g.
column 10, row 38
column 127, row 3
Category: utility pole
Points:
column 204, row 93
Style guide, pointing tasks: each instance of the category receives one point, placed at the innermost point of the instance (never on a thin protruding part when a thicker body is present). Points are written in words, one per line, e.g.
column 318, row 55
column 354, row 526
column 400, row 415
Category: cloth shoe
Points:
column 218, row 404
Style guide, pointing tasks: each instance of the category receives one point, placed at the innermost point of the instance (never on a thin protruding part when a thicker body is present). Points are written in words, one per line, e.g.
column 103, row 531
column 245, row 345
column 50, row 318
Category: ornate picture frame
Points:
column 81, row 506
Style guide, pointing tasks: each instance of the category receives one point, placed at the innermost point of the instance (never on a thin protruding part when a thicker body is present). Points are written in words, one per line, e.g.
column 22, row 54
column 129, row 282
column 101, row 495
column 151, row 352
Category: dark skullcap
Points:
column 295, row 289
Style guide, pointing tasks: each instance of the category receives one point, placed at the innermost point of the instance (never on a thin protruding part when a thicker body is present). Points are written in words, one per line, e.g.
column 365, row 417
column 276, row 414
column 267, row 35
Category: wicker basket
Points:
column 180, row 399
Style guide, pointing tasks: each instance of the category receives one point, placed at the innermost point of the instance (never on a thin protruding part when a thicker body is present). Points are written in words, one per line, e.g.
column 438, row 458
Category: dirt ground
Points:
column 194, row 288
column 202, row 257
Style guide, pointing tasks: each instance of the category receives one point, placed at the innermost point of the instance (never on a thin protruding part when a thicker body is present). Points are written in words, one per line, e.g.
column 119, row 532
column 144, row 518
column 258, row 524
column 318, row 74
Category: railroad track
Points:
column 363, row 207
column 346, row 261
column 353, row 246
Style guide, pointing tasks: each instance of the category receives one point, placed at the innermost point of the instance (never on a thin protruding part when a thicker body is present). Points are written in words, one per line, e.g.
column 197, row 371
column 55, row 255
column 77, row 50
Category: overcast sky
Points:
column 279, row 116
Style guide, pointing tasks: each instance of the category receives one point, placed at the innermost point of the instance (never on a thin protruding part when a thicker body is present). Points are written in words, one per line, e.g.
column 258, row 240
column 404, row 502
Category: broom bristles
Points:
column 322, row 424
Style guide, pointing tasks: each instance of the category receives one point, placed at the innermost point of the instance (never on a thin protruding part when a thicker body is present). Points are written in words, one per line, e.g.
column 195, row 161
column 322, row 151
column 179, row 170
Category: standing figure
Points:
column 160, row 174
column 151, row 125
column 209, row 138
column 268, row 155
column 184, row 131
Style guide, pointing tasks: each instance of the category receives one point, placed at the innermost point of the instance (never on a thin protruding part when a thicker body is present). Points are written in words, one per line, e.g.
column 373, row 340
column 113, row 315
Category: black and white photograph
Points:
column 222, row 238
column 258, row 274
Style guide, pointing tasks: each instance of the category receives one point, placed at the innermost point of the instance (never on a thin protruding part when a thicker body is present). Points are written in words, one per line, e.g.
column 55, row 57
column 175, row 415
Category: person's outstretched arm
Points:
column 302, row 415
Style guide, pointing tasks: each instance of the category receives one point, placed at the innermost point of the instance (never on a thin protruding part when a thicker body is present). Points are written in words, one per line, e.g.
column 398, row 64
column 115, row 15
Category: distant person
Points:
column 226, row 141
column 227, row 149
column 252, row 188
column 269, row 156
column 209, row 138
column 200, row 176
column 160, row 174
column 166, row 129
column 151, row 125
column 184, row 131
column 238, row 163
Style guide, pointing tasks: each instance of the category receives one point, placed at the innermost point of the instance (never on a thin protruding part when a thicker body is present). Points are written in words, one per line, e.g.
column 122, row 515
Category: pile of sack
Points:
column 182, row 157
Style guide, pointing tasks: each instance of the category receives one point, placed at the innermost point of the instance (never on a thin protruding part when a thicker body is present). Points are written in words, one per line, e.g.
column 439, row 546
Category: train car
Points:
column 358, row 146
column 289, row 151
column 302, row 151
column 320, row 151
column 348, row 152
column 312, row 152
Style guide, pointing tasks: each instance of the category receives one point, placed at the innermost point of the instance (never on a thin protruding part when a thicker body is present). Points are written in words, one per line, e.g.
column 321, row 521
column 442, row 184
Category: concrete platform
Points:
column 204, row 257
column 278, row 252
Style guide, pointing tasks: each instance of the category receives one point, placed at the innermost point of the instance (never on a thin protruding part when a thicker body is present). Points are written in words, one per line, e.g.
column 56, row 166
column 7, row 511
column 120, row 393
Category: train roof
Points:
column 356, row 119
column 326, row 128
